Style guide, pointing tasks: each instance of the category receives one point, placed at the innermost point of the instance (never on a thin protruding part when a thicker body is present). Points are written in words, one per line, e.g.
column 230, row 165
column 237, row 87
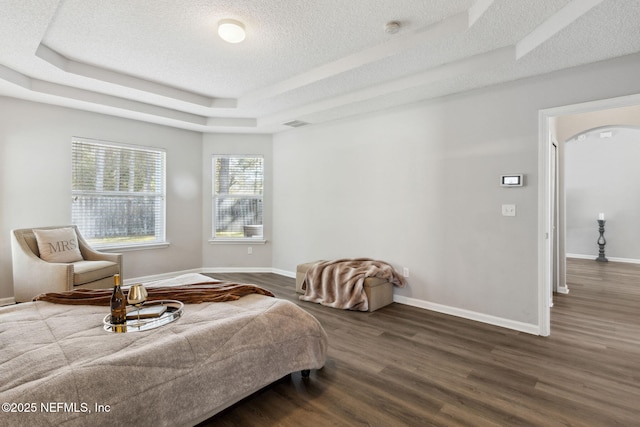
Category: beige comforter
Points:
column 340, row 283
column 59, row 366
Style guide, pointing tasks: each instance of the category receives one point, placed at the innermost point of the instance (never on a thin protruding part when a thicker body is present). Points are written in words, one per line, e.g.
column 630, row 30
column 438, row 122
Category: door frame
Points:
column 545, row 146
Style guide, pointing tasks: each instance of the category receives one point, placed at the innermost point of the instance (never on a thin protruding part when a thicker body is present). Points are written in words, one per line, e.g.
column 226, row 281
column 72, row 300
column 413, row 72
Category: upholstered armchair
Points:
column 57, row 259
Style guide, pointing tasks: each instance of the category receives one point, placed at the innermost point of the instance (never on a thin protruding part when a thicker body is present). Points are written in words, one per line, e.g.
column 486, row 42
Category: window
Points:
column 237, row 196
column 118, row 193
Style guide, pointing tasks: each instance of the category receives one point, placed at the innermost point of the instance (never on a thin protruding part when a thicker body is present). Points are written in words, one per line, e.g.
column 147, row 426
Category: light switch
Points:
column 508, row 210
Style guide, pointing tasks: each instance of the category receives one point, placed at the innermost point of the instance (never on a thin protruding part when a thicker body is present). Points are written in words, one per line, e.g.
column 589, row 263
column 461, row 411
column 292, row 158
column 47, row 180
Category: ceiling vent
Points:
column 296, row 123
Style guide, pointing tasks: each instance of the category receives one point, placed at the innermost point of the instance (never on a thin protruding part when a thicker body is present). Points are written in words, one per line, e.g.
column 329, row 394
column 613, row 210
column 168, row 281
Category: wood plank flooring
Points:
column 404, row 366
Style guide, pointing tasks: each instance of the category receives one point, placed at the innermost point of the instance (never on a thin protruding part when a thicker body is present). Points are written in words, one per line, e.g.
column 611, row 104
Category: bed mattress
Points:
column 59, row 366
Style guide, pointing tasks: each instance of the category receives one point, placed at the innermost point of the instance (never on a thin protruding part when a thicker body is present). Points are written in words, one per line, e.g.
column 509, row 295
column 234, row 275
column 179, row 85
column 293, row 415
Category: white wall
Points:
column 602, row 175
column 35, row 180
column 229, row 256
column 418, row 187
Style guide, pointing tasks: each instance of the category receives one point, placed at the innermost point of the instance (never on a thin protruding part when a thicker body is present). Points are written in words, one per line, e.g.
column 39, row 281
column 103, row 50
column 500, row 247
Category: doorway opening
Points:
column 551, row 221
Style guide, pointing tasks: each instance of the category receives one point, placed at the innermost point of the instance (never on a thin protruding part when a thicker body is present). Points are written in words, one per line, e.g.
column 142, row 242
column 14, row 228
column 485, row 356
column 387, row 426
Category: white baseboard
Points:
column 208, row 270
column 7, row 301
column 466, row 314
column 582, row 256
column 471, row 315
column 492, row 320
column 612, row 259
column 289, row 274
column 213, row 270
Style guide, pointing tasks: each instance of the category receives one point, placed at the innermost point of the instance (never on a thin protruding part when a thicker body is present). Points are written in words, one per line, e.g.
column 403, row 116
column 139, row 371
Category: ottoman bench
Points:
column 379, row 291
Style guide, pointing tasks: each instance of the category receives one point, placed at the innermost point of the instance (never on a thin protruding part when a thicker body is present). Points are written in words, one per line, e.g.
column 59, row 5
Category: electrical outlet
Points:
column 508, row 210
column 405, row 272
column 249, row 250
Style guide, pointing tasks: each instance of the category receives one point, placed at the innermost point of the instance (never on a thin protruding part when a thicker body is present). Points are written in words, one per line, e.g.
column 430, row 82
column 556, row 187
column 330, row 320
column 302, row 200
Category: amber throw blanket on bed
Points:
column 196, row 293
column 340, row 283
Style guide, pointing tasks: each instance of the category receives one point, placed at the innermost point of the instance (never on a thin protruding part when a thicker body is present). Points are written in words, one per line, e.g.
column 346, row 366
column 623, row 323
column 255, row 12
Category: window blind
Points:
column 118, row 193
column 238, row 185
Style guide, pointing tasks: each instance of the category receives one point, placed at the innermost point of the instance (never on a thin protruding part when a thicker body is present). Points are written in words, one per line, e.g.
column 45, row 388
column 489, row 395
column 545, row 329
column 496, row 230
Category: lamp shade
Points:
column 231, row 31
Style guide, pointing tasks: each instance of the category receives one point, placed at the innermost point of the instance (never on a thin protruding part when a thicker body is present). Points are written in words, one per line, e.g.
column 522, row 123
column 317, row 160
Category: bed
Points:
column 59, row 366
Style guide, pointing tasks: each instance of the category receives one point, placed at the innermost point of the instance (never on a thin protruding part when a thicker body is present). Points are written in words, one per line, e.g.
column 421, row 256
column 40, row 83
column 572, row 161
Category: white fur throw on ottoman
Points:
column 359, row 284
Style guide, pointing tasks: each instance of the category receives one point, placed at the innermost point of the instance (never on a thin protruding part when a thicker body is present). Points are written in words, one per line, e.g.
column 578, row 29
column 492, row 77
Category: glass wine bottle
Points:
column 118, row 303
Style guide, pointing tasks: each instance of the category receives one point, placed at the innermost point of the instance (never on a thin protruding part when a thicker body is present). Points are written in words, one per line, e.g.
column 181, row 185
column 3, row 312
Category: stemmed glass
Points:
column 137, row 295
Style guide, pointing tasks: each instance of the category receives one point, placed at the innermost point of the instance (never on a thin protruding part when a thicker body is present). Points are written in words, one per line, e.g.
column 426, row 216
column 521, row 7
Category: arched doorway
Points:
column 560, row 124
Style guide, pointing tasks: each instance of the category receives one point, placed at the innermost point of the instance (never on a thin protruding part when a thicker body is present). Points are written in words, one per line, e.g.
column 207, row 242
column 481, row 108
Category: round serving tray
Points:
column 173, row 313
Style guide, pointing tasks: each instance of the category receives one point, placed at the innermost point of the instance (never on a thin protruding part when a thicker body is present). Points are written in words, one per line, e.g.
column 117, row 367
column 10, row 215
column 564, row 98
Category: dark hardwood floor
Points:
column 406, row 366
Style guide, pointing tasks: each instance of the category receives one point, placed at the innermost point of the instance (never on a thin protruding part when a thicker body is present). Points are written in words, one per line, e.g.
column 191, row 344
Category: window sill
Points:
column 127, row 248
column 238, row 240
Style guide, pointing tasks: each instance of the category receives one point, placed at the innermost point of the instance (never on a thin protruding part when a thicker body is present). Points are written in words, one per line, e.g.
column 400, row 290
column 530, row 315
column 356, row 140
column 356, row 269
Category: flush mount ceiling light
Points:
column 231, row 31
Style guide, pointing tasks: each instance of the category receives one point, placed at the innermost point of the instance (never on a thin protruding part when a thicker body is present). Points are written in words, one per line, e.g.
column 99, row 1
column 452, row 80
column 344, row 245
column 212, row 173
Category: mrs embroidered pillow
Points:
column 58, row 245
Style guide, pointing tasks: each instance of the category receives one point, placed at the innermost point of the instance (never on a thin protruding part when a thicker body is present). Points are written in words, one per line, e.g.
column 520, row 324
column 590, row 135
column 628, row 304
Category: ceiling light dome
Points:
column 231, row 31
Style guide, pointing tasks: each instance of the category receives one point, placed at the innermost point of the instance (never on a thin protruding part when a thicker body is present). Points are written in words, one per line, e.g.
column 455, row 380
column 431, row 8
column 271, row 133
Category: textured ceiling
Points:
column 161, row 61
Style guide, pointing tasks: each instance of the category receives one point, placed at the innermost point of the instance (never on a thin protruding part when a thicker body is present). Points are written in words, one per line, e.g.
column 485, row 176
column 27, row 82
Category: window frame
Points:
column 214, row 197
column 159, row 213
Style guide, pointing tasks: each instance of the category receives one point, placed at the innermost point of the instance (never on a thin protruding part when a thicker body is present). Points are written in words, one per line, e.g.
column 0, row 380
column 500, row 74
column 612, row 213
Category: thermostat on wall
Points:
column 513, row 180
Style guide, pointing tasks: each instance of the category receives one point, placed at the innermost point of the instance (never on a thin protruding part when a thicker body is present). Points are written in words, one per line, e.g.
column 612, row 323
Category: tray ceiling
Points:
column 161, row 61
